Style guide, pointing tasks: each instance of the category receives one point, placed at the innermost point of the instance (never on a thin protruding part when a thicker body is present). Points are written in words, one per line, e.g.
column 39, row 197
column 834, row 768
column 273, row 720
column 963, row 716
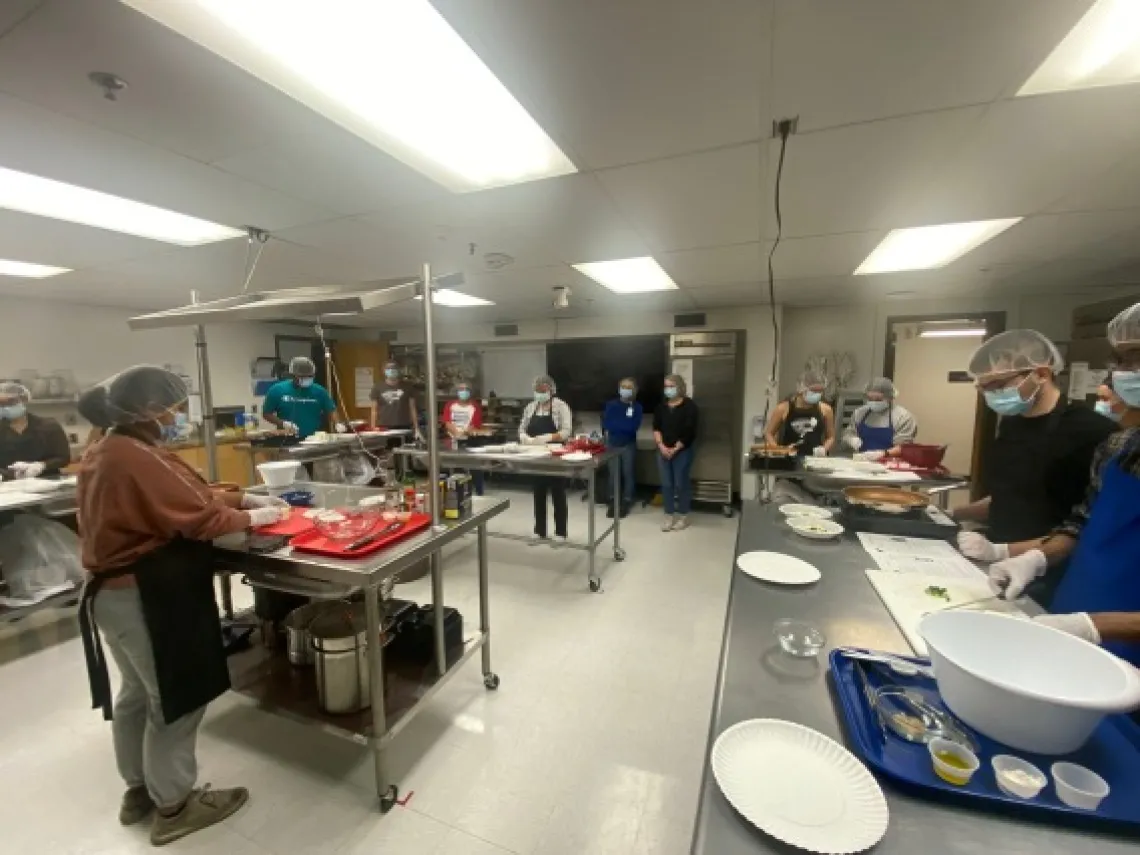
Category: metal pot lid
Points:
column 341, row 620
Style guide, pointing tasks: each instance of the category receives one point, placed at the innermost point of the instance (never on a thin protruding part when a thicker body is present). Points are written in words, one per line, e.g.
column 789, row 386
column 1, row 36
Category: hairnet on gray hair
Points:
column 15, row 390
column 883, row 385
column 545, row 380
column 302, row 366
column 811, row 378
column 1124, row 329
column 139, row 394
column 1013, row 352
column 678, row 381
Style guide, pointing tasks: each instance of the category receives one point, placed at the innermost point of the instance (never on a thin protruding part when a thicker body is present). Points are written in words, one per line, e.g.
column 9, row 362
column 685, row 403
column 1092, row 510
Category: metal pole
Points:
column 375, row 653
column 433, row 472
column 593, row 471
column 617, row 497
column 208, row 426
column 484, row 601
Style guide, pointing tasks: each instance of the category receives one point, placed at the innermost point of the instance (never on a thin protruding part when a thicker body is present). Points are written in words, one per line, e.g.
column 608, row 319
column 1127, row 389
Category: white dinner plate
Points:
column 800, row 787
column 794, row 510
column 577, row 456
column 814, row 528
column 778, row 567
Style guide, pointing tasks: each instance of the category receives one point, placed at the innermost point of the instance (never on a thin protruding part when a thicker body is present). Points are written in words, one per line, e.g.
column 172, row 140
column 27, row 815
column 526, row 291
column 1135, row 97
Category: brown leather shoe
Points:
column 137, row 805
column 204, row 808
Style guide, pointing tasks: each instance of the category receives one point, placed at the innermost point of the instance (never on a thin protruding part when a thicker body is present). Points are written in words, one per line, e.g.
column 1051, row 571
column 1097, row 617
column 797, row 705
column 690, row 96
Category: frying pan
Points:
column 888, row 499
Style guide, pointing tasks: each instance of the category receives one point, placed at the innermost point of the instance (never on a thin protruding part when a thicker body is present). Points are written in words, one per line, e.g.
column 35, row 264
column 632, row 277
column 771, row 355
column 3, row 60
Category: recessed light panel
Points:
column 926, row 247
column 628, row 275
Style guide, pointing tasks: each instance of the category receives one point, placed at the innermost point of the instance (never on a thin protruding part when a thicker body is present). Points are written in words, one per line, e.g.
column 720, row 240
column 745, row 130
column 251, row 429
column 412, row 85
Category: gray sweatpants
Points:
column 149, row 752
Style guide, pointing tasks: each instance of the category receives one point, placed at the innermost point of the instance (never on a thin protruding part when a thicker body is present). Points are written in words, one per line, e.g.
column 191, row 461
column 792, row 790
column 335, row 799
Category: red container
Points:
column 922, row 456
column 316, row 543
column 297, row 523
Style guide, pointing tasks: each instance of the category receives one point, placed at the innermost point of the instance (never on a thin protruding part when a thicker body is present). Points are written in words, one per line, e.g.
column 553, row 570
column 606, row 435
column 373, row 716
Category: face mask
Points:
column 625, row 393
column 391, row 373
column 813, row 397
column 304, row 382
column 1126, row 384
column 1008, row 402
column 1105, row 409
column 542, row 397
column 878, row 406
column 464, row 394
column 13, row 412
column 670, row 391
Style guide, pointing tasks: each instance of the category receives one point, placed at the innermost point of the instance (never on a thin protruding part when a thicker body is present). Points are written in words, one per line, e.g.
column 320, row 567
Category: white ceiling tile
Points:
column 1101, row 235
column 44, row 241
column 623, row 82
column 718, row 265
column 823, row 255
column 696, row 200
column 844, row 63
column 1116, row 187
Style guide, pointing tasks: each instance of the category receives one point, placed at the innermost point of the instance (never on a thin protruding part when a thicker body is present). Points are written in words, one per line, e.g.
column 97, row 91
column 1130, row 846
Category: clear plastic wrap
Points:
column 38, row 557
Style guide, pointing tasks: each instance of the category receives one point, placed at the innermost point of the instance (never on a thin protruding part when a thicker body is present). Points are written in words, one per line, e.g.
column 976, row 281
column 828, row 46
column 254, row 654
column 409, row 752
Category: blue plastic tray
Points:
column 1113, row 752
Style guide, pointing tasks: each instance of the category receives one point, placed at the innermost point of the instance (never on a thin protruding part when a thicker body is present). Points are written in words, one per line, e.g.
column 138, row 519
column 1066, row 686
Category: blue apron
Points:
column 877, row 439
column 1104, row 572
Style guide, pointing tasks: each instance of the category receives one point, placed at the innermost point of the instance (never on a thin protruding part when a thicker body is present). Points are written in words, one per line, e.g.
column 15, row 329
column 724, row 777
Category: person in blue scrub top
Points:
column 299, row 405
column 881, row 424
column 621, row 421
column 1098, row 598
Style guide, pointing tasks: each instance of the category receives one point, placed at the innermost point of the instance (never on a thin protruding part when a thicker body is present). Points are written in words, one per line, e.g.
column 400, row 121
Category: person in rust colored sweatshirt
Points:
column 146, row 521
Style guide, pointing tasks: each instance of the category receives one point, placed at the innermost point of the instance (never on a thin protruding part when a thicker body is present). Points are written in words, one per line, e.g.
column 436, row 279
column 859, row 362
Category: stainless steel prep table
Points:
column 276, row 686
column 939, row 486
column 524, row 464
column 336, row 445
column 756, row 680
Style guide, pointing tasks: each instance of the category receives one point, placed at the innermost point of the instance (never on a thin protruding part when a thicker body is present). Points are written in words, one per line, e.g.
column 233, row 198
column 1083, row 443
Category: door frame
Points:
column 985, row 419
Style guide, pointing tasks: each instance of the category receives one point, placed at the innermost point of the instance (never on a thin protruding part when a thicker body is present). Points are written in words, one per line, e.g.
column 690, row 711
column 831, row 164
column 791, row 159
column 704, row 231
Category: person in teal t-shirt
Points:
column 299, row 405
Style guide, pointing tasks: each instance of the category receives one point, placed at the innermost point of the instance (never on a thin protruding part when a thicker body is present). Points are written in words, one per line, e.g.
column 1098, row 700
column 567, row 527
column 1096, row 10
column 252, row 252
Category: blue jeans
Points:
column 675, row 481
column 626, row 459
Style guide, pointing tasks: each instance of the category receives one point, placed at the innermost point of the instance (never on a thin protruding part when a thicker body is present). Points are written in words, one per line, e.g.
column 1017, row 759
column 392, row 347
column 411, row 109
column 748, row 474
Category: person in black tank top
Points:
column 804, row 420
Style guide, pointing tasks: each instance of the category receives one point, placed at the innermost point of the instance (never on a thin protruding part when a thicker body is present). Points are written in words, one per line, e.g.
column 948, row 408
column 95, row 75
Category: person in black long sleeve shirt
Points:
column 675, row 431
column 30, row 445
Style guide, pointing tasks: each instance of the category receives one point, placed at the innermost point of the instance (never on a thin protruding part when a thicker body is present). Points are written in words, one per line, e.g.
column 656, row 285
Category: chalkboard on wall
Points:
column 588, row 371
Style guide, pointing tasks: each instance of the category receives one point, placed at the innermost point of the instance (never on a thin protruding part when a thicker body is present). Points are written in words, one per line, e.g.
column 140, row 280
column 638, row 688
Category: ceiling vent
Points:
column 502, row 330
column 693, row 319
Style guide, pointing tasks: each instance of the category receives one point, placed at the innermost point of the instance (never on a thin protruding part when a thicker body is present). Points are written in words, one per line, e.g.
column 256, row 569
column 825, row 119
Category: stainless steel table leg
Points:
column 619, row 505
column 226, row 584
column 595, row 582
column 385, row 790
column 485, row 609
column 437, row 608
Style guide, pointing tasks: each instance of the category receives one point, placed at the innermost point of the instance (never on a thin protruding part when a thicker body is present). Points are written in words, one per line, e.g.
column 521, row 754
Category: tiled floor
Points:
column 593, row 744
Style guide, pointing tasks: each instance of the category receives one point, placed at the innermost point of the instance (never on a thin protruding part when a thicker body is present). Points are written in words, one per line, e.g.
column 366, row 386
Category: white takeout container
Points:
column 1024, row 684
column 1079, row 787
column 278, row 473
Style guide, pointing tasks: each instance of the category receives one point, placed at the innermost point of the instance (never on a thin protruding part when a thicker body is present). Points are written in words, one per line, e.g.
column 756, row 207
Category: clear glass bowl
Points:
column 346, row 523
column 798, row 637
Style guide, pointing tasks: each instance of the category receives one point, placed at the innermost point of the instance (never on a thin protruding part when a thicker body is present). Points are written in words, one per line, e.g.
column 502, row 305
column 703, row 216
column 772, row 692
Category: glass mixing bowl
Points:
column 798, row 637
column 346, row 523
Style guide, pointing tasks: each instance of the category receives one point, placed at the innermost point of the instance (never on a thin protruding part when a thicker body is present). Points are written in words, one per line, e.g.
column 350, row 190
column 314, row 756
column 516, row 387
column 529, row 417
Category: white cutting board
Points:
column 904, row 595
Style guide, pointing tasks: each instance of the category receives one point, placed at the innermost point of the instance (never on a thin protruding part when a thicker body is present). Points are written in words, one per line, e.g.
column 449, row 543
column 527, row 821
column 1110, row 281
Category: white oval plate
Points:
column 577, row 456
column 800, row 787
column 814, row 529
column 778, row 568
column 794, row 510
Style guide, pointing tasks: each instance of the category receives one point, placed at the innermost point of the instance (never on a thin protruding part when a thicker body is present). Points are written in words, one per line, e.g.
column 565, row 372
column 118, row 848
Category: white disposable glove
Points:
column 341, row 427
column 541, row 439
column 266, row 516
column 853, row 442
column 1078, row 624
column 255, row 500
column 819, row 451
column 975, row 545
column 28, row 470
column 289, row 427
column 1012, row 576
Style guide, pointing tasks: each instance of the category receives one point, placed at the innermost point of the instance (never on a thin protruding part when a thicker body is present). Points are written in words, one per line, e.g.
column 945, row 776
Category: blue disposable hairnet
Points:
column 139, row 394
column 1013, row 352
column 1124, row 329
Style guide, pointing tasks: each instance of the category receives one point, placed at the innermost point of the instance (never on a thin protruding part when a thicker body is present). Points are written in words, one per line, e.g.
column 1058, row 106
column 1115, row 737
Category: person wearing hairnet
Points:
column 547, row 419
column 675, row 431
column 621, row 420
column 1108, row 403
column 30, row 445
column 299, row 405
column 880, row 424
column 146, row 522
column 1039, row 463
column 1098, row 598
column 804, row 420
column 394, row 402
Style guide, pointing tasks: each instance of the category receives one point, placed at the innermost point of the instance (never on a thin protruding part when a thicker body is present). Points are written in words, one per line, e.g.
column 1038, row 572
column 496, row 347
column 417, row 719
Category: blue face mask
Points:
column 878, row 406
column 670, row 392
column 1126, row 384
column 542, row 397
column 1008, row 402
column 392, row 373
column 304, row 382
column 13, row 412
column 463, row 394
column 813, row 397
column 174, row 431
column 625, row 393
column 1105, row 409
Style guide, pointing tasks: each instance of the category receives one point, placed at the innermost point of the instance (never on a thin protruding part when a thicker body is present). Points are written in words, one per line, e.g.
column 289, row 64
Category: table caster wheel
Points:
column 388, row 800
column 595, row 585
column 491, row 681
column 619, row 554
column 727, row 511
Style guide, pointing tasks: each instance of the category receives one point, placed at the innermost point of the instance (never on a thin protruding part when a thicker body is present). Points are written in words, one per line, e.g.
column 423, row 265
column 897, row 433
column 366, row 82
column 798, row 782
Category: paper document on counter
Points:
column 919, row 556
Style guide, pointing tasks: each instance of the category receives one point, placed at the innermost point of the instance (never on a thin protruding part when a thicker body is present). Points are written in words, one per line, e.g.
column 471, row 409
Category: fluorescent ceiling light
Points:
column 455, row 299
column 926, row 247
column 31, row 194
column 1103, row 49
column 393, row 72
column 965, row 332
column 31, row 271
column 628, row 275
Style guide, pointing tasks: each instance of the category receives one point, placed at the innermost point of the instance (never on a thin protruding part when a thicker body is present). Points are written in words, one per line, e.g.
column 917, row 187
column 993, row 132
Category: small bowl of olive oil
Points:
column 953, row 763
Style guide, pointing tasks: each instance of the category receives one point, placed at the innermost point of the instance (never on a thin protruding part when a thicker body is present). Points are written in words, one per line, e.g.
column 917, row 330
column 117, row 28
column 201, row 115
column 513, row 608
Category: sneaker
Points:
column 680, row 523
column 204, row 808
column 536, row 539
column 559, row 541
column 137, row 805
column 667, row 525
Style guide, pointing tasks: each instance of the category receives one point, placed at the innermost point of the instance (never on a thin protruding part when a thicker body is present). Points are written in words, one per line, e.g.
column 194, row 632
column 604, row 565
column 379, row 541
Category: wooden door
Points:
column 357, row 362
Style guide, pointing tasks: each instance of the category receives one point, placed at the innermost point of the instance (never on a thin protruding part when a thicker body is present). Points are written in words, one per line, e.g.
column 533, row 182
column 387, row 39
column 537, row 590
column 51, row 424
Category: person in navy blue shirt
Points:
column 621, row 421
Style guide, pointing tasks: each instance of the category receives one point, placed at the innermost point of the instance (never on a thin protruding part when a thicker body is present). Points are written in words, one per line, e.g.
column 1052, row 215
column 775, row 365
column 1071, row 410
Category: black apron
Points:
column 1020, row 506
column 176, row 585
column 541, row 425
column 803, row 423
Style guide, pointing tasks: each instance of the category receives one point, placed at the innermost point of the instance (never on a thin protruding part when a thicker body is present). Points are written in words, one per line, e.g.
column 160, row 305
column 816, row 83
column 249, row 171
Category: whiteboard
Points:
column 510, row 371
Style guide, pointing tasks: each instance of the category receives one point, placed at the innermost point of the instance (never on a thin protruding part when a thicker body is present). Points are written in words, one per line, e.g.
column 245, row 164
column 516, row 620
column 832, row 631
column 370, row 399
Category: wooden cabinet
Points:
column 233, row 462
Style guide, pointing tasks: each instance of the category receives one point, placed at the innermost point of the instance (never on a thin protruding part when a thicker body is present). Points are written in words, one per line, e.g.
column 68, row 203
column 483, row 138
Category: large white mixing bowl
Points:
column 1023, row 684
column 278, row 473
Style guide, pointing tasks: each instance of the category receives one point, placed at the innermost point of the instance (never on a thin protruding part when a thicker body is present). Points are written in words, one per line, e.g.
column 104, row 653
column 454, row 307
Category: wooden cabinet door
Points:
column 350, row 356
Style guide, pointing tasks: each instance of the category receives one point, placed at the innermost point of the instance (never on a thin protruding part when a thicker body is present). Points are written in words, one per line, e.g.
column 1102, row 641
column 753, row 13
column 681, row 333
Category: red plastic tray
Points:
column 296, row 524
column 316, row 543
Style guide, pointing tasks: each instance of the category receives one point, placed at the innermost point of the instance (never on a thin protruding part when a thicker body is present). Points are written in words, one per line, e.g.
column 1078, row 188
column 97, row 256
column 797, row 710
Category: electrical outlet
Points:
column 778, row 126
